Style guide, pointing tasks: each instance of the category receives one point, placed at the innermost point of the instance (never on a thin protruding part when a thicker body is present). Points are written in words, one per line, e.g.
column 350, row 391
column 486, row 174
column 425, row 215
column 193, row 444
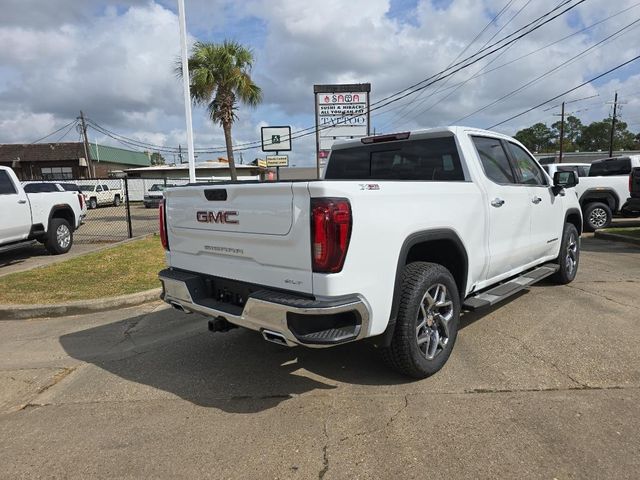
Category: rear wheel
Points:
column 569, row 256
column 597, row 215
column 427, row 322
column 116, row 201
column 93, row 203
column 59, row 237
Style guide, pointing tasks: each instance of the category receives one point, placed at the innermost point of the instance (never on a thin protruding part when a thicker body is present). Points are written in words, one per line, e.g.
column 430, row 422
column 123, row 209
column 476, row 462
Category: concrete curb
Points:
column 22, row 312
column 616, row 237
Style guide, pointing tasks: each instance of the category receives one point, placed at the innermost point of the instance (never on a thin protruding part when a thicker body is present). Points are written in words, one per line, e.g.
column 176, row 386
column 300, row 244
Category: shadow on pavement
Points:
column 592, row 244
column 20, row 255
column 235, row 371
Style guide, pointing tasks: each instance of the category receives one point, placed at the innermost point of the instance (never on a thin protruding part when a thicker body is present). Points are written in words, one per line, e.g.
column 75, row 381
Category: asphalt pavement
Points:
column 543, row 386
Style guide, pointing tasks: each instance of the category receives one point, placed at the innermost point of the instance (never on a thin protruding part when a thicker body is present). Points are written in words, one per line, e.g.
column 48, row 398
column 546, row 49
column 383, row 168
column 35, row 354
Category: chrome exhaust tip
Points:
column 274, row 337
column 179, row 307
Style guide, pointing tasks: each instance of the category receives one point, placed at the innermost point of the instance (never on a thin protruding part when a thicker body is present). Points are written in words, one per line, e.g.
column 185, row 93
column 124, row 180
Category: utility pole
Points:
column 613, row 124
column 86, row 145
column 561, row 133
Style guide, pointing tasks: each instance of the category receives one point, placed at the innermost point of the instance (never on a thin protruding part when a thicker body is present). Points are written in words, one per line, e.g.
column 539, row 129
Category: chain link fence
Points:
column 118, row 209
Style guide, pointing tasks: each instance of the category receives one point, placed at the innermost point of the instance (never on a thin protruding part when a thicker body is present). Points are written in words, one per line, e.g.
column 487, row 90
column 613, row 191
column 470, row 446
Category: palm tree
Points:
column 219, row 77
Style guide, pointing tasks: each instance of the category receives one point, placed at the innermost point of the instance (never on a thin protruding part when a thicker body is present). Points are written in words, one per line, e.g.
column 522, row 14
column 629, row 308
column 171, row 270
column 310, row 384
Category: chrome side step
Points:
column 511, row 287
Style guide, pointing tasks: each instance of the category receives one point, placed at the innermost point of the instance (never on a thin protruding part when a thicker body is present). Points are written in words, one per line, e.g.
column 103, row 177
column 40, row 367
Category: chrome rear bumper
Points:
column 290, row 315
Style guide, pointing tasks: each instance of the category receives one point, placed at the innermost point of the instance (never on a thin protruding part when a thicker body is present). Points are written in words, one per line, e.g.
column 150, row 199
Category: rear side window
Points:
column 6, row 185
column 433, row 159
column 610, row 167
column 583, row 171
column 494, row 160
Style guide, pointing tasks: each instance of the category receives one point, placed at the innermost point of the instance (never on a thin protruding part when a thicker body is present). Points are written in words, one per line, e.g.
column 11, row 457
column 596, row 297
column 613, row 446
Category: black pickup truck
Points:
column 631, row 207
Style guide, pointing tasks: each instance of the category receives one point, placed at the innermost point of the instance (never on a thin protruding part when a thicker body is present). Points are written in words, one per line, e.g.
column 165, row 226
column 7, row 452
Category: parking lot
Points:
column 544, row 386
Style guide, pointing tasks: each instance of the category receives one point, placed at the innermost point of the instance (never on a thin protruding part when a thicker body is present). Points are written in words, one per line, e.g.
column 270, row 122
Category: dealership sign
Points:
column 342, row 112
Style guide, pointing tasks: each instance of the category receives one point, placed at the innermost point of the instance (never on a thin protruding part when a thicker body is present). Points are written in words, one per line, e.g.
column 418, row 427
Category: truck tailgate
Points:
column 258, row 233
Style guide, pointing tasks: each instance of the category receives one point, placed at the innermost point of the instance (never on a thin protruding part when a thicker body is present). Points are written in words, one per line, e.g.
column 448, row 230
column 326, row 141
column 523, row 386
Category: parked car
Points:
column 581, row 169
column 631, row 207
column 99, row 194
column 49, row 217
column 605, row 190
column 404, row 231
column 154, row 196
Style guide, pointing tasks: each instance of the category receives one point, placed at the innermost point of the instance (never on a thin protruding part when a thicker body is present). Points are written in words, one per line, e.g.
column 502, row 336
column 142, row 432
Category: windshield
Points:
column 86, row 188
column 156, row 187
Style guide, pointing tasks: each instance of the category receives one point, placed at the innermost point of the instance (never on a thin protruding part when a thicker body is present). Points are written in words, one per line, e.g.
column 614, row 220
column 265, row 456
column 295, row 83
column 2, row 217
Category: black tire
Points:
column 569, row 256
column 59, row 237
column 596, row 215
column 93, row 203
column 405, row 355
column 116, row 201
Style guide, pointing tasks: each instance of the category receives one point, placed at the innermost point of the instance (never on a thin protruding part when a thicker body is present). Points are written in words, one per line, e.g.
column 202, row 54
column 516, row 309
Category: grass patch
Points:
column 633, row 232
column 129, row 268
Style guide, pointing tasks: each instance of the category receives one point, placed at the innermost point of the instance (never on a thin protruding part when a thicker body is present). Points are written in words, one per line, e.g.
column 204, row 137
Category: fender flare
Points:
column 59, row 208
column 412, row 240
column 598, row 193
column 576, row 211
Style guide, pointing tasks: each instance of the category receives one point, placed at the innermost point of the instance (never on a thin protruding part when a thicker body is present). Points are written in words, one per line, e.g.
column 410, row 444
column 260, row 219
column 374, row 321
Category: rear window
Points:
column 433, row 159
column 40, row 188
column 610, row 167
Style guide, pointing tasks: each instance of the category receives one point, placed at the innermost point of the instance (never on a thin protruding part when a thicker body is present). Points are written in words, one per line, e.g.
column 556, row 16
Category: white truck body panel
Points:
column 270, row 246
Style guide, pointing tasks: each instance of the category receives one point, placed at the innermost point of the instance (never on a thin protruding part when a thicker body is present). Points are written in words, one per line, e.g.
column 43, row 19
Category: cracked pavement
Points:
column 546, row 385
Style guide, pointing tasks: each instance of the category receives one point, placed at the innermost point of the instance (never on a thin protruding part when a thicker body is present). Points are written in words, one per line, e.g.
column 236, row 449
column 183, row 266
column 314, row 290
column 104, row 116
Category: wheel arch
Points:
column 65, row 212
column 605, row 195
column 574, row 216
column 441, row 246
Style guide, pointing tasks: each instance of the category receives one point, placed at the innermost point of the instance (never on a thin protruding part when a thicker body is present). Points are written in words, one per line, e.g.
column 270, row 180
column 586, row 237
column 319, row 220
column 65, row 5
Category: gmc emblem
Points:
column 217, row 217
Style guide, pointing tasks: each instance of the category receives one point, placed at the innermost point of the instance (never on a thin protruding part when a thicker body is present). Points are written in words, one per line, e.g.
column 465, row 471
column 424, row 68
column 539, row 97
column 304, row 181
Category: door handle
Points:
column 536, row 200
column 22, row 201
column 497, row 202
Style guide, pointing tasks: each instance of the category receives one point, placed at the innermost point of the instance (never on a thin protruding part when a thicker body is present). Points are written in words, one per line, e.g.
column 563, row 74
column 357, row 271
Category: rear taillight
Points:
column 631, row 181
column 330, row 233
column 81, row 201
column 164, row 236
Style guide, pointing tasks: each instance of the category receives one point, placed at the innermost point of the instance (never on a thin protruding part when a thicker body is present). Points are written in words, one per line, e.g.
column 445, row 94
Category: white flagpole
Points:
column 187, row 93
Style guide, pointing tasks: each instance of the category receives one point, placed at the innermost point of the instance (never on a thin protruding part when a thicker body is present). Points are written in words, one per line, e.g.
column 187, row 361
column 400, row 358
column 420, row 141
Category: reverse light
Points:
column 164, row 235
column 330, row 233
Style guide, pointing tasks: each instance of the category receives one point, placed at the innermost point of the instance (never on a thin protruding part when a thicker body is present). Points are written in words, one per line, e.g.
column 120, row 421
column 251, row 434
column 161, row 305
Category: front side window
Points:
column 6, row 185
column 530, row 172
column 431, row 159
column 494, row 160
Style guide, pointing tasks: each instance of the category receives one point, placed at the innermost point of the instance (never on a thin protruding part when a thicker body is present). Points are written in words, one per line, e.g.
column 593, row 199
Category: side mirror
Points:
column 563, row 180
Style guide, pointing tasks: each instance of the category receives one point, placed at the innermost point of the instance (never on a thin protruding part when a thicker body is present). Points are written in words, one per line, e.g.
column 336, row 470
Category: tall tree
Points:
column 220, row 78
column 537, row 138
column 572, row 131
column 597, row 135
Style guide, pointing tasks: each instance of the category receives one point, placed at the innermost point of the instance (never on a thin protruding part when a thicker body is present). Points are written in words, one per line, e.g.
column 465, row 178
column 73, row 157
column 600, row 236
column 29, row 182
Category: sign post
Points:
column 342, row 112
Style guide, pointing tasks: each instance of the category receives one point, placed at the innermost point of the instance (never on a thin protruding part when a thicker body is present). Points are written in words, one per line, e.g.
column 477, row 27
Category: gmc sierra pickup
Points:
column 48, row 217
column 604, row 192
column 404, row 232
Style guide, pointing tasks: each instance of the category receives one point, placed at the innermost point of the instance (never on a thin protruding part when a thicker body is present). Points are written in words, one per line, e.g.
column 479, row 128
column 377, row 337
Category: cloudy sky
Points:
column 114, row 60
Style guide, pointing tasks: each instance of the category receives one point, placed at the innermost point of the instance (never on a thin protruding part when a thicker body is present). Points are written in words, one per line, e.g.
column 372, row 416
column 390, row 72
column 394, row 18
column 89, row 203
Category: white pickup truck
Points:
column 48, row 217
column 604, row 192
column 404, row 231
column 99, row 194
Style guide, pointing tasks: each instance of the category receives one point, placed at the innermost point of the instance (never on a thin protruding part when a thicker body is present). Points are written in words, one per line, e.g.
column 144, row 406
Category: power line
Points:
column 73, row 124
column 460, row 84
column 565, row 92
column 54, row 132
column 564, row 64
